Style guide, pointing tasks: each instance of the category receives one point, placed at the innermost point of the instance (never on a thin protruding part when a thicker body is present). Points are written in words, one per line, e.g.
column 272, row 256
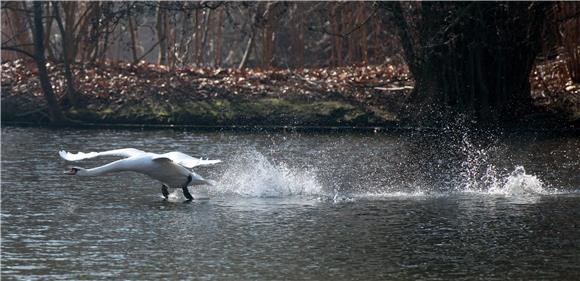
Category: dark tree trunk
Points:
column 248, row 49
column 71, row 92
column 472, row 57
column 133, row 32
column 56, row 114
column 161, row 29
column 202, row 51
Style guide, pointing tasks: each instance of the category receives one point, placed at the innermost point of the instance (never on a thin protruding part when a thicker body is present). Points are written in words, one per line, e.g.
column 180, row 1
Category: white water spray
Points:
column 251, row 174
column 519, row 183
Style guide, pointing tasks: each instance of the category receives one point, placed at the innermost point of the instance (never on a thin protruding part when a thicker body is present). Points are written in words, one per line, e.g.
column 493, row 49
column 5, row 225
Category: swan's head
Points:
column 73, row 171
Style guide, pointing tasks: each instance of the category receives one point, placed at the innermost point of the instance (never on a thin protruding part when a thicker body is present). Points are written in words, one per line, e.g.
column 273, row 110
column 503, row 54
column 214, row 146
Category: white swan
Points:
column 171, row 169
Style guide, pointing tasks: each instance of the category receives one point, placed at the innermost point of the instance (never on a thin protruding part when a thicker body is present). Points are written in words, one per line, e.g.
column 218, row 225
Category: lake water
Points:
column 297, row 206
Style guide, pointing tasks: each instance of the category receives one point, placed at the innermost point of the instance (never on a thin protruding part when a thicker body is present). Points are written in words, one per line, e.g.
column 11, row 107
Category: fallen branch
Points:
column 394, row 88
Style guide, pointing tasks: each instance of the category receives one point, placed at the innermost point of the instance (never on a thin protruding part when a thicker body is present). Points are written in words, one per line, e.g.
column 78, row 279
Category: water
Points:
column 406, row 206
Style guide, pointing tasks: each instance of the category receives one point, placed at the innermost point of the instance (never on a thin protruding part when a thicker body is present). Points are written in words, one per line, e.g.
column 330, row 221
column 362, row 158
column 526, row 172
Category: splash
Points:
column 457, row 161
column 385, row 195
column 519, row 183
column 251, row 174
column 480, row 175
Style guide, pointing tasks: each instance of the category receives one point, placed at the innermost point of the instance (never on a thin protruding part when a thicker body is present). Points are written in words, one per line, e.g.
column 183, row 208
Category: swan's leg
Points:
column 186, row 191
column 165, row 191
column 187, row 194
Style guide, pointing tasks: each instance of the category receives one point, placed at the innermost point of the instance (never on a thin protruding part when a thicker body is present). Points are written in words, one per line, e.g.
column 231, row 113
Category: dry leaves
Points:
column 128, row 82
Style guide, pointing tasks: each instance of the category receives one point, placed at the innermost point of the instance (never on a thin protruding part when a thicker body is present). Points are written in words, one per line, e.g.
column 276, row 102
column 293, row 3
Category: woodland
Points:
column 267, row 63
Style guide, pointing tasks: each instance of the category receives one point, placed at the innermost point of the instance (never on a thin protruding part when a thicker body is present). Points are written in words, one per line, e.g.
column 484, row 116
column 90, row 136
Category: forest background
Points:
column 291, row 63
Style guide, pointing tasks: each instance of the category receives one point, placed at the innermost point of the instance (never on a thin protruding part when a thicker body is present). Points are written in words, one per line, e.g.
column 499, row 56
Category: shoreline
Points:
column 393, row 128
column 352, row 98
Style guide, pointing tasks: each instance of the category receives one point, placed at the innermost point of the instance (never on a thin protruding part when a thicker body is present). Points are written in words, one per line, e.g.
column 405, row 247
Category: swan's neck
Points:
column 116, row 166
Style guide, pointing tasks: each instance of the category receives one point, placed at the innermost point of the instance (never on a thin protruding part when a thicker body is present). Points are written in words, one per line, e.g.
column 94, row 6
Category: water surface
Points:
column 406, row 206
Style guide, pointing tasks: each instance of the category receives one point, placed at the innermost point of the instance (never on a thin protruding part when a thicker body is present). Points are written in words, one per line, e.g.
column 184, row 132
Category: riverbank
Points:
column 356, row 96
column 152, row 94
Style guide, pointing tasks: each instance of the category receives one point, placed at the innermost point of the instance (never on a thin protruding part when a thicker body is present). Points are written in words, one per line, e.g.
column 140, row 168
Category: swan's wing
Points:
column 185, row 160
column 125, row 152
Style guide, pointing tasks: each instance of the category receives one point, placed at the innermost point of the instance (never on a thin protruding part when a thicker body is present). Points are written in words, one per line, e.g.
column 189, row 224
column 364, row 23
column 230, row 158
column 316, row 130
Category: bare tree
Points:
column 133, row 32
column 206, row 23
column 568, row 15
column 260, row 18
column 218, row 39
column 56, row 114
column 161, row 28
column 70, row 88
column 16, row 32
column 471, row 57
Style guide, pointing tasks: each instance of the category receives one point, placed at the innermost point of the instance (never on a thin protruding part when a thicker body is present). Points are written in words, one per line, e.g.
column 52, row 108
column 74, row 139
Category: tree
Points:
column 132, row 26
column 70, row 88
column 568, row 16
column 260, row 19
column 16, row 31
column 161, row 29
column 471, row 57
column 56, row 114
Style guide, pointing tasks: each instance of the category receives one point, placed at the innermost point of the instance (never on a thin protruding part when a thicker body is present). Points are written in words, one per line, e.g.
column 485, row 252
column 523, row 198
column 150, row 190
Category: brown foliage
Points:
column 125, row 83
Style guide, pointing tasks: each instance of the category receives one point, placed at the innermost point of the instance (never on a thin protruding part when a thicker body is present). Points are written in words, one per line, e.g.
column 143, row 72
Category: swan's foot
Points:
column 165, row 191
column 187, row 194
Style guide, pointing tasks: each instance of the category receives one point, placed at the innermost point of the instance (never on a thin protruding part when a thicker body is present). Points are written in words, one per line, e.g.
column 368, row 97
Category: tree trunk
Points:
column 267, row 46
column 197, row 32
column 364, row 38
column 218, row 40
column 297, row 36
column 336, row 23
column 70, row 88
column 47, row 31
column 206, row 23
column 15, row 23
column 161, row 29
column 569, row 18
column 133, row 33
column 248, row 50
column 476, row 61
column 250, row 44
column 70, row 10
column 83, row 31
column 95, row 32
column 350, row 17
column 260, row 19
column 56, row 115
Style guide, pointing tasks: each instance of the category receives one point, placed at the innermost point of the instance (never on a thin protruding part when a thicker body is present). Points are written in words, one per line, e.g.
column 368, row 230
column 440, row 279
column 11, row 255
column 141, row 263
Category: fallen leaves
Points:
column 128, row 84
column 553, row 88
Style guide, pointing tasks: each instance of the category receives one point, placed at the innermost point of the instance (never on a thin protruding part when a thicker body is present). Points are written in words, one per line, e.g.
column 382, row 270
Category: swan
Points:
column 172, row 169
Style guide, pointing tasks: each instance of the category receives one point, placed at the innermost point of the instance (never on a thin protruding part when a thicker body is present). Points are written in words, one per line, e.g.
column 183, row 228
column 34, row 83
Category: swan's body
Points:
column 171, row 169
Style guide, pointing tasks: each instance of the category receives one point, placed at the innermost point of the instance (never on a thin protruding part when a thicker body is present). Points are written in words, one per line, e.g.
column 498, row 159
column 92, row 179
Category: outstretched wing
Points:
column 125, row 152
column 185, row 160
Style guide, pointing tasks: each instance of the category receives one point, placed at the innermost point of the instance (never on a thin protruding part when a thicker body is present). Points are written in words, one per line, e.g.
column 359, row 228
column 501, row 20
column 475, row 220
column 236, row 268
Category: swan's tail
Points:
column 199, row 180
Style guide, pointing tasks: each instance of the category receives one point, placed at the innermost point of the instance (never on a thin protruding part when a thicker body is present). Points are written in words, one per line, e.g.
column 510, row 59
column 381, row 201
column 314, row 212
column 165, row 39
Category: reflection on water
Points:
column 413, row 205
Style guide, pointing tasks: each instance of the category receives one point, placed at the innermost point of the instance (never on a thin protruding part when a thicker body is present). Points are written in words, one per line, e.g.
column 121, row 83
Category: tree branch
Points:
column 347, row 34
column 149, row 51
column 15, row 49
column 404, row 31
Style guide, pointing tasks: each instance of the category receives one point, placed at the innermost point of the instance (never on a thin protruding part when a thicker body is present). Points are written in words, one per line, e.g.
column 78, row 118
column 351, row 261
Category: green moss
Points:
column 263, row 111
column 82, row 114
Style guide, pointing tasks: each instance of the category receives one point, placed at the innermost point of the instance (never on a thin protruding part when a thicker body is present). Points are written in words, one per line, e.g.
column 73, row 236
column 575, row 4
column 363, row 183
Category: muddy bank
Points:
column 361, row 96
column 152, row 94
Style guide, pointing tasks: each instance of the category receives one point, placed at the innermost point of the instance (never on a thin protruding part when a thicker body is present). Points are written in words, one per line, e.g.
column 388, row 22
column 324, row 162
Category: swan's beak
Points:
column 71, row 172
